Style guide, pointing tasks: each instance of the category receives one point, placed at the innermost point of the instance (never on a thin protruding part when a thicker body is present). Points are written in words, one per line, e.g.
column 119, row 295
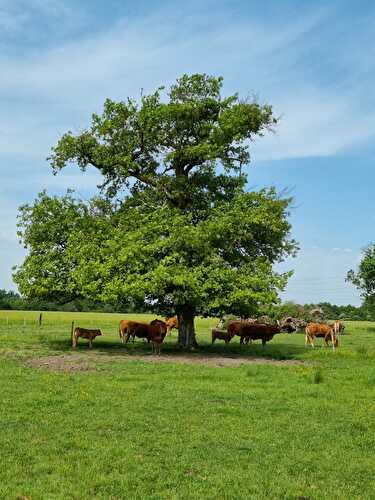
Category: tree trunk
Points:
column 186, row 330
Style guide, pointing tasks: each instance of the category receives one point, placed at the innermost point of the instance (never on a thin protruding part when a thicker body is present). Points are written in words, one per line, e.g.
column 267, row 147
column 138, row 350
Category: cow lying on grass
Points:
column 322, row 330
column 253, row 331
column 90, row 335
column 219, row 334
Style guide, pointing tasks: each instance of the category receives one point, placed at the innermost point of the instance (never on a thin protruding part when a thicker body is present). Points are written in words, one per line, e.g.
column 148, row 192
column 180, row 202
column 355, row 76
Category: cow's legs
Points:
column 309, row 340
column 74, row 345
column 127, row 336
column 90, row 343
column 264, row 342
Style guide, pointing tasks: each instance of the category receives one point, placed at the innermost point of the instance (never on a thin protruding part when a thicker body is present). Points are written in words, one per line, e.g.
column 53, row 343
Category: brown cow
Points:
column 260, row 331
column 216, row 333
column 157, row 331
column 126, row 328
column 154, row 332
column 322, row 330
column 90, row 335
column 171, row 323
column 253, row 331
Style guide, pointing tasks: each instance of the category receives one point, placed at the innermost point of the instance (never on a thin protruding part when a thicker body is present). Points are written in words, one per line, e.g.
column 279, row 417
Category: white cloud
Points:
column 49, row 89
column 62, row 85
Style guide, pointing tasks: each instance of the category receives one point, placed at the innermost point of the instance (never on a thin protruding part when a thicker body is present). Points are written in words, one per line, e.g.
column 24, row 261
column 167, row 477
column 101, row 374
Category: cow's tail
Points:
column 120, row 330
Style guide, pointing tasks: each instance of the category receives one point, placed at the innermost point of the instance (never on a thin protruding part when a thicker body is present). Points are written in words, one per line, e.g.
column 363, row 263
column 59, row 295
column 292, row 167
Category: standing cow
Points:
column 171, row 323
column 322, row 330
column 127, row 328
column 338, row 327
column 253, row 331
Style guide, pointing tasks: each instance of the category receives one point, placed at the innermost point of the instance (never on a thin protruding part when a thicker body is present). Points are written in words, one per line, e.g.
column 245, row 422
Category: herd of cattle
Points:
column 247, row 329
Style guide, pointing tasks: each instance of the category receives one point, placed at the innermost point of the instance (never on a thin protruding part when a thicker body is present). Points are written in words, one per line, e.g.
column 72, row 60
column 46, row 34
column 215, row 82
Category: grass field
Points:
column 111, row 424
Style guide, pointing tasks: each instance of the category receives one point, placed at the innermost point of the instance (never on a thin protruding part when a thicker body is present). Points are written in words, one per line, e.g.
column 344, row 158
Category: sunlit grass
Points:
column 131, row 429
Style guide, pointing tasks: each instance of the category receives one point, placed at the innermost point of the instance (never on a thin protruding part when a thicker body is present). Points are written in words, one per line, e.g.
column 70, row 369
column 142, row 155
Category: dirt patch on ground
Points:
column 86, row 362
column 61, row 363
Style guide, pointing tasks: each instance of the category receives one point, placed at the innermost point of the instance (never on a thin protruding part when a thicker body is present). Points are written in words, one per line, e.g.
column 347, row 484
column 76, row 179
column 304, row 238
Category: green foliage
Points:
column 8, row 299
column 217, row 265
column 170, row 148
column 186, row 237
column 364, row 278
column 330, row 311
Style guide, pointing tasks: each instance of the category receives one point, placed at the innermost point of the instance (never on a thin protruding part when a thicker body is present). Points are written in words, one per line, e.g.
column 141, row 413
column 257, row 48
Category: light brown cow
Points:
column 171, row 323
column 314, row 330
column 90, row 335
column 338, row 327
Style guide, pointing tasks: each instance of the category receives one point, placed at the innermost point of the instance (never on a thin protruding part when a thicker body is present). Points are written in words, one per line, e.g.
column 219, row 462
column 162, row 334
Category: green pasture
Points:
column 130, row 428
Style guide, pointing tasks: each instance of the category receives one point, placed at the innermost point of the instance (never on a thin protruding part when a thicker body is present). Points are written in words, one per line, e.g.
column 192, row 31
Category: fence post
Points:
column 40, row 319
column 71, row 333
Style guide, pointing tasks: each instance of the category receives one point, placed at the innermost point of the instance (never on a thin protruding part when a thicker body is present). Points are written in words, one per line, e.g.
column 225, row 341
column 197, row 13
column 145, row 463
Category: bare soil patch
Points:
column 86, row 362
column 61, row 363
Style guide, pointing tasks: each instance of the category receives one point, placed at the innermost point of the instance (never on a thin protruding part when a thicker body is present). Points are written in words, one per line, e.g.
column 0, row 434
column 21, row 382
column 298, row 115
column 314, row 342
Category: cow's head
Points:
column 161, row 324
column 97, row 333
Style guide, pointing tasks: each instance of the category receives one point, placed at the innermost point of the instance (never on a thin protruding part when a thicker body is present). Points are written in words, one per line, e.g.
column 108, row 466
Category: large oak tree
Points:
column 174, row 225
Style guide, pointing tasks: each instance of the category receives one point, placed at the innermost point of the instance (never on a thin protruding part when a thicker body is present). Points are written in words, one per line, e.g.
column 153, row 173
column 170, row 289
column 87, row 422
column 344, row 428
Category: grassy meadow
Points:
column 112, row 423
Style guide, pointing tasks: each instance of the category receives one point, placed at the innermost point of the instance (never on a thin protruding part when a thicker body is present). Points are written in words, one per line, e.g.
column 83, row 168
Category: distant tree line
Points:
column 12, row 300
column 365, row 312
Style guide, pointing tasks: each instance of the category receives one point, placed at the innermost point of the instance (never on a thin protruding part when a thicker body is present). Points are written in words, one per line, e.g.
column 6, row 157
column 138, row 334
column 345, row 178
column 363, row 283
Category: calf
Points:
column 90, row 335
column 322, row 330
column 216, row 333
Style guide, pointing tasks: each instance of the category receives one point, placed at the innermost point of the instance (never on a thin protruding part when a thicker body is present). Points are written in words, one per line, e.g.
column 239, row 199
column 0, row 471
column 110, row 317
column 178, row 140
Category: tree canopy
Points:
column 174, row 226
column 364, row 277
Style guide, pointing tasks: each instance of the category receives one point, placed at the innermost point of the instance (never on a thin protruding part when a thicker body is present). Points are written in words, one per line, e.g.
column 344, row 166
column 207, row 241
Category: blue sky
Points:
column 314, row 61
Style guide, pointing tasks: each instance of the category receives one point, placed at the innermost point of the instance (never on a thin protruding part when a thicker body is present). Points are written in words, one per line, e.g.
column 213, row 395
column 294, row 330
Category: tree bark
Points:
column 186, row 330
